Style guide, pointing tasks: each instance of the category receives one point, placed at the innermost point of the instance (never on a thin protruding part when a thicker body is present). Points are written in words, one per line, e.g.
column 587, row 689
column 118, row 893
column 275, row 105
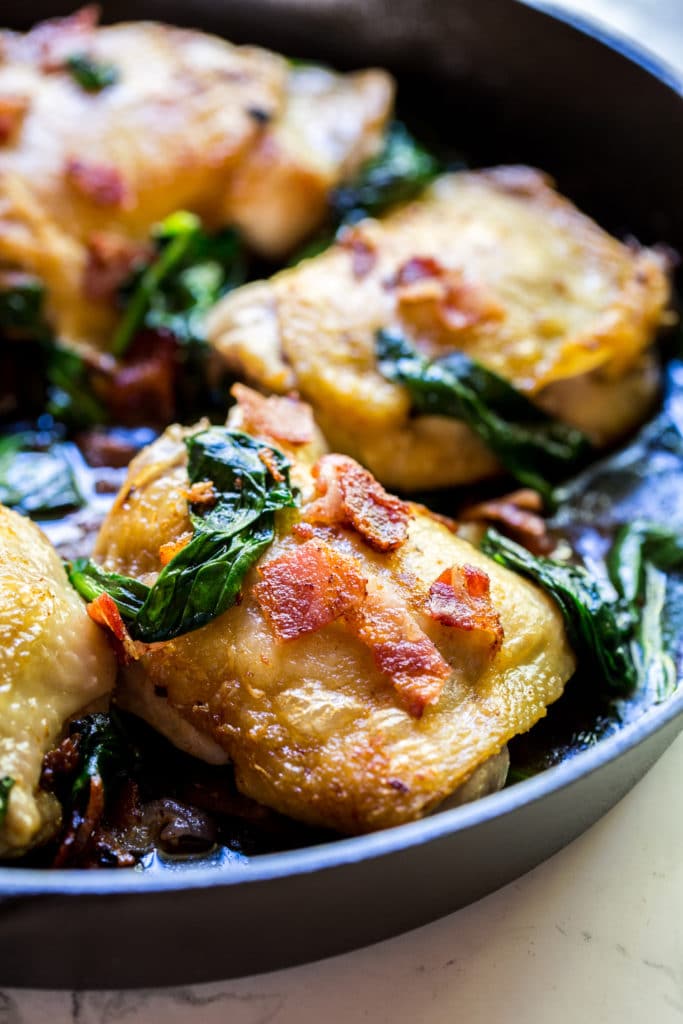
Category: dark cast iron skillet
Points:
column 506, row 82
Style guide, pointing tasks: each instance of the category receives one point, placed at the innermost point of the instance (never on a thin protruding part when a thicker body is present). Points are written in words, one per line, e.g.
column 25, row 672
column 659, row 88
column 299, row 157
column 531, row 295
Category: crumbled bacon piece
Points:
column 202, row 493
column 110, row 261
column 168, row 551
column 400, row 649
column 268, row 459
column 308, row 588
column 81, row 826
column 101, row 184
column 104, row 611
column 13, row 110
column 349, row 494
column 141, row 389
column 283, row 419
column 363, row 252
column 461, row 598
column 51, row 42
column 107, row 447
column 303, row 531
column 518, row 516
column 434, row 298
column 419, row 268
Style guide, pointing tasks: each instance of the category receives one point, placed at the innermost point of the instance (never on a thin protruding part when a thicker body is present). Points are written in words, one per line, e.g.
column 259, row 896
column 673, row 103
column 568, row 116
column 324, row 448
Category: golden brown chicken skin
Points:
column 493, row 263
column 374, row 663
column 190, row 122
column 54, row 661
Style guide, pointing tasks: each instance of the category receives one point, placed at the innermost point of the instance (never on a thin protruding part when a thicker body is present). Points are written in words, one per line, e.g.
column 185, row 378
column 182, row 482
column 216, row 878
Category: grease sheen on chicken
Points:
column 493, row 263
column 375, row 661
column 233, row 133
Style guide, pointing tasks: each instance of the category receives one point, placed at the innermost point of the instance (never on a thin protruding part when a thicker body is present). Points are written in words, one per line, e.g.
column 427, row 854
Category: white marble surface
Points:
column 594, row 935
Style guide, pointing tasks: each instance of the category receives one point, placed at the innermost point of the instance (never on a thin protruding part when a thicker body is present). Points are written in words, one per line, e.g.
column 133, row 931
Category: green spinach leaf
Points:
column 204, row 578
column 189, row 274
column 92, row 75
column 532, row 446
column 599, row 622
column 70, row 396
column 6, row 784
column 36, row 478
column 396, row 174
column 104, row 753
column 638, row 562
column 399, row 172
column 22, row 300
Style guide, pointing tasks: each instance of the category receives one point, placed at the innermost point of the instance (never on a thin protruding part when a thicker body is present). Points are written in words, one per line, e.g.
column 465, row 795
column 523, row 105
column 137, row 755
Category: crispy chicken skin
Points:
column 374, row 663
column 53, row 662
column 191, row 122
column 495, row 263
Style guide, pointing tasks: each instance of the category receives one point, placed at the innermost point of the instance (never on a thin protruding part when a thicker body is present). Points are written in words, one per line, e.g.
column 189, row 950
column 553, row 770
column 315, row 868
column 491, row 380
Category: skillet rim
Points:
column 35, row 882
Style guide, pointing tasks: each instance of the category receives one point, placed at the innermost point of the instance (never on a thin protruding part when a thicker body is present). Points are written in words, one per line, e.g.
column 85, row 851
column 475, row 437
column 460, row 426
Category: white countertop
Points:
column 594, row 935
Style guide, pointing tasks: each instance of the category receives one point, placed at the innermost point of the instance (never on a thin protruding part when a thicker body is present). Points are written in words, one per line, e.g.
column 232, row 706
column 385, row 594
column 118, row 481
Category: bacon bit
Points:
column 461, row 598
column 350, row 494
column 419, row 268
column 111, row 259
column 517, row 513
column 433, row 297
column 268, row 459
column 13, row 110
column 202, row 493
column 82, row 826
column 101, row 184
column 283, row 419
column 141, row 389
column 51, row 42
column 400, row 649
column 103, row 447
column 104, row 611
column 363, row 252
column 168, row 551
column 308, row 588
column 303, row 531
column 62, row 760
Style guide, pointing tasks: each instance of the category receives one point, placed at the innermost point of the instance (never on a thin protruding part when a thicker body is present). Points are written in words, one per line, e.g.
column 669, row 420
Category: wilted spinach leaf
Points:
column 92, row 75
column 104, row 753
column 396, row 174
column 639, row 560
column 599, row 622
column 22, row 299
column 6, row 784
column 36, row 477
column 204, row 578
column 70, row 397
column 532, row 446
column 190, row 272
column 399, row 172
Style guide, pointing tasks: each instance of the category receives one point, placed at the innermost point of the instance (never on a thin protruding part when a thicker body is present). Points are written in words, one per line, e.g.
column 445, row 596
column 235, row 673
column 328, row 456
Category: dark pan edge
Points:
column 110, row 881
column 633, row 51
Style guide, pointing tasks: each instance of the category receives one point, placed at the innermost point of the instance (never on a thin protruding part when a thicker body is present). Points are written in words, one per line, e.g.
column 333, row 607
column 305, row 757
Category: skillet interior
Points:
column 612, row 135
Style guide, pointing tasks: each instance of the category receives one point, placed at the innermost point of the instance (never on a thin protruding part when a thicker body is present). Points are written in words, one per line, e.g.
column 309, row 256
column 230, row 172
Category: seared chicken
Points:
column 189, row 121
column 374, row 664
column 54, row 661
column 495, row 264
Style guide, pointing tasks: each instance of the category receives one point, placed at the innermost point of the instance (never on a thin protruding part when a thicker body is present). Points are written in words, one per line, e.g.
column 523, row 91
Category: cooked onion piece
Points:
column 183, row 120
column 495, row 264
column 53, row 662
column 374, row 662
